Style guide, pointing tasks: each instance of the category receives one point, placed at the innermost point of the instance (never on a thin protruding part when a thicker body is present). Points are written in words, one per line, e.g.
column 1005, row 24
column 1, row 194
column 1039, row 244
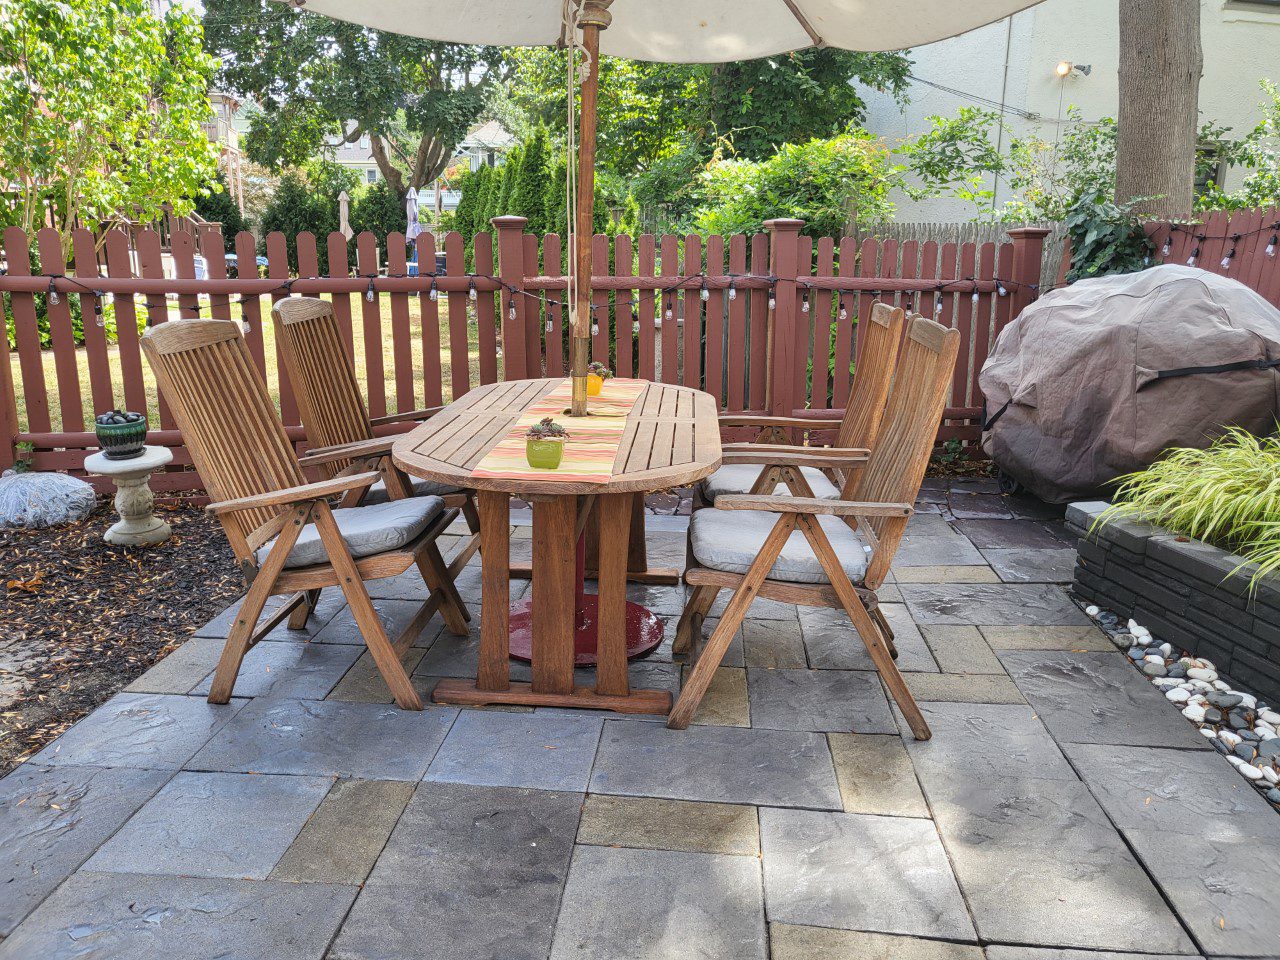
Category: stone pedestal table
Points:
column 138, row 525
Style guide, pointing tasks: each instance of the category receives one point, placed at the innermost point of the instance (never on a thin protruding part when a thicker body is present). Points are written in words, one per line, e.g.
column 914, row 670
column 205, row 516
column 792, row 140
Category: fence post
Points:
column 8, row 409
column 516, row 353
column 1028, row 255
column 784, row 264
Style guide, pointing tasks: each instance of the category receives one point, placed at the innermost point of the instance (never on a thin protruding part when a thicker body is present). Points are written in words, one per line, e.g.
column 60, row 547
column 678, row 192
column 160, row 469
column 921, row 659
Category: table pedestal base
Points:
column 644, row 631
column 465, row 692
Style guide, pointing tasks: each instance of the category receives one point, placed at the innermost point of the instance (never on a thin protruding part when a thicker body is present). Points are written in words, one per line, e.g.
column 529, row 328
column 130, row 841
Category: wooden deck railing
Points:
column 763, row 322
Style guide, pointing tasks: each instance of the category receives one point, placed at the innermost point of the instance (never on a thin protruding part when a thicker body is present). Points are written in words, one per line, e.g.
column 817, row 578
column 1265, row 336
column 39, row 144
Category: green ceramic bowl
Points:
column 121, row 441
column 543, row 454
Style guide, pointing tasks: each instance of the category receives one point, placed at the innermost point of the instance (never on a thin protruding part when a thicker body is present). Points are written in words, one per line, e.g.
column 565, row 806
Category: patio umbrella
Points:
column 344, row 215
column 411, row 214
column 666, row 31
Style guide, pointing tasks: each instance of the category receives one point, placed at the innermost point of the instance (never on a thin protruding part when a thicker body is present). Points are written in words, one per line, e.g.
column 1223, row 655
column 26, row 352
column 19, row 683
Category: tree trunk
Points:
column 1160, row 66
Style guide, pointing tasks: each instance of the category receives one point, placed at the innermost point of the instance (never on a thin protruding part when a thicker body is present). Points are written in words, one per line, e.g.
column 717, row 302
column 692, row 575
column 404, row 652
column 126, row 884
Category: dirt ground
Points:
column 80, row 618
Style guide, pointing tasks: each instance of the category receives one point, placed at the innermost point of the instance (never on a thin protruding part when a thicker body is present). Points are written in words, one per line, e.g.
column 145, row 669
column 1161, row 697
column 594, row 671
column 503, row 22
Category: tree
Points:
column 1160, row 65
column 306, row 200
column 216, row 205
column 378, row 210
column 527, row 196
column 102, row 104
column 317, row 78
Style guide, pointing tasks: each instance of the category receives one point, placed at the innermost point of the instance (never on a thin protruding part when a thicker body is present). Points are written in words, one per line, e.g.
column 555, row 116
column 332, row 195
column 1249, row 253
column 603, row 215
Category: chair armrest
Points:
column 357, row 450
column 768, row 454
column 835, row 508
column 322, row 490
column 425, row 414
column 802, row 423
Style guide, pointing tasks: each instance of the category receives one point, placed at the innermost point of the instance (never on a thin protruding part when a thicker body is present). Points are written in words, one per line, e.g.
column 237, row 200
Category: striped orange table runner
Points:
column 593, row 440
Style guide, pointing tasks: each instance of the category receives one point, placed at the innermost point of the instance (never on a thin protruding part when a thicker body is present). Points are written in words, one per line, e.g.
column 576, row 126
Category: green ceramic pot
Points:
column 124, row 440
column 543, row 454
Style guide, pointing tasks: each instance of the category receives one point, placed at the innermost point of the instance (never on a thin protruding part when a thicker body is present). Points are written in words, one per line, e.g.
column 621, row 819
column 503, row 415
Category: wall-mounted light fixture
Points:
column 1064, row 68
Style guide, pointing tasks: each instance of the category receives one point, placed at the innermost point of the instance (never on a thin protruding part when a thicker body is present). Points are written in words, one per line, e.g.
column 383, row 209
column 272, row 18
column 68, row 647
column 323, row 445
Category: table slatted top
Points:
column 671, row 438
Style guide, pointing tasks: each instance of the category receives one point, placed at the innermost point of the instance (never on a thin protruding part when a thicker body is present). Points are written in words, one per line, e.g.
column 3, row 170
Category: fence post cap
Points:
column 509, row 222
column 784, row 225
column 1029, row 233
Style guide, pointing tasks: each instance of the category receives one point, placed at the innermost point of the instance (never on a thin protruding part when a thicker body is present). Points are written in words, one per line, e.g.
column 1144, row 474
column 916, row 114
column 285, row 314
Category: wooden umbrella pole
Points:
column 593, row 18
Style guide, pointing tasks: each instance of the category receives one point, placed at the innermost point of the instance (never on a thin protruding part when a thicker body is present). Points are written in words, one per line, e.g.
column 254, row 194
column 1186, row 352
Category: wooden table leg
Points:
column 493, row 672
column 554, row 588
column 615, row 530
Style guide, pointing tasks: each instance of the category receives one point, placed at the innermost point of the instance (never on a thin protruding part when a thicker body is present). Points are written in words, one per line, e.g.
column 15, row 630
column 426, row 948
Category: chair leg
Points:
column 695, row 611
column 469, row 512
column 864, row 624
column 885, row 631
column 695, row 687
column 366, row 617
column 241, row 636
column 436, row 576
column 302, row 612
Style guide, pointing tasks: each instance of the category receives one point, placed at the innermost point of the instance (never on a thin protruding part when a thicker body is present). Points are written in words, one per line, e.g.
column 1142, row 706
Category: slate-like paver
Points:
column 331, row 601
column 52, row 819
column 1033, row 565
column 1223, row 889
column 624, row 903
column 846, row 701
column 1046, row 638
column 144, row 730
column 469, row 872
column 928, row 551
column 772, row 643
column 797, row 942
column 988, row 534
column 118, row 916
column 982, row 742
column 330, row 738
column 857, row 872
column 725, row 703
column 963, row 688
column 1041, row 864
column 716, row 764
column 876, row 776
column 995, row 603
column 182, row 669
column 345, row 836
column 833, row 644
column 1098, row 697
column 364, row 684
column 395, row 616
column 304, row 670
column 1004, row 952
column 1175, row 791
column 960, row 649
column 213, row 825
column 654, row 824
column 546, row 752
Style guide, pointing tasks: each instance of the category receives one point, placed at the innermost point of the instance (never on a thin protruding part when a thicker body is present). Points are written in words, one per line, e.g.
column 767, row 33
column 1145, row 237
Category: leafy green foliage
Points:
column 312, row 75
column 307, row 200
column 820, row 182
column 377, row 209
column 530, row 182
column 216, row 204
column 1227, row 494
column 1259, row 153
column 1105, row 238
column 102, row 104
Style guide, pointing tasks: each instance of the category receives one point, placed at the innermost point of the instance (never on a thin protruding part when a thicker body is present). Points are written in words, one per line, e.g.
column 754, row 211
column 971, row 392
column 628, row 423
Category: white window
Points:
column 371, row 176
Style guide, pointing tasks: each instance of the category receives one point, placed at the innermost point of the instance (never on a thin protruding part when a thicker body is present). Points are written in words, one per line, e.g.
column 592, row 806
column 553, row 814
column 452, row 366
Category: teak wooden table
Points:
column 671, row 438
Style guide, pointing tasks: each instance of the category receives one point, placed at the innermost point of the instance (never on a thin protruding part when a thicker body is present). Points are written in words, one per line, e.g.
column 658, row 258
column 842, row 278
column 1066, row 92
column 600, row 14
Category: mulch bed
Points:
column 81, row 618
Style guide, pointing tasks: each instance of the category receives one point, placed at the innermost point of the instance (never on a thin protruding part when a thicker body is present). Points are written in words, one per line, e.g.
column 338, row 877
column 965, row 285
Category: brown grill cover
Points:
column 1079, row 372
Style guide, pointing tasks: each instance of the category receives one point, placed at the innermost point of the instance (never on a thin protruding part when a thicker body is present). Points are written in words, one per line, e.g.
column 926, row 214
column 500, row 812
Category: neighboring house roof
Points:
column 488, row 136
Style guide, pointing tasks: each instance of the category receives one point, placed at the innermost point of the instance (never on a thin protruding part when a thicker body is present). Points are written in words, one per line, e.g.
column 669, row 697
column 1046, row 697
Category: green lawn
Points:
column 273, row 385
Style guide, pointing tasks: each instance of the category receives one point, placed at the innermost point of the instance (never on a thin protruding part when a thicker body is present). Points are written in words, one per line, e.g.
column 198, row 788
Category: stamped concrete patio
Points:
column 1064, row 809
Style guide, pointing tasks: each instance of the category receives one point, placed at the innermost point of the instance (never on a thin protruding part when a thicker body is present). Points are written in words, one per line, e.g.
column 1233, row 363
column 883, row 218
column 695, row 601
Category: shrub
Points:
column 1227, row 494
column 218, row 206
column 378, row 210
column 307, row 200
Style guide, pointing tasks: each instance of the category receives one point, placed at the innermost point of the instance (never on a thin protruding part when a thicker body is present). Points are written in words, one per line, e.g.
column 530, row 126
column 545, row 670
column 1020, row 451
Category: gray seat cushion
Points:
column 741, row 477
column 730, row 540
column 367, row 530
column 420, row 487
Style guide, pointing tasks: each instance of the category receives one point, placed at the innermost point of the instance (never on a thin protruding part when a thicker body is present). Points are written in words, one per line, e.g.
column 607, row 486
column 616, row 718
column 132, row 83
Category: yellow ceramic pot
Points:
column 594, row 385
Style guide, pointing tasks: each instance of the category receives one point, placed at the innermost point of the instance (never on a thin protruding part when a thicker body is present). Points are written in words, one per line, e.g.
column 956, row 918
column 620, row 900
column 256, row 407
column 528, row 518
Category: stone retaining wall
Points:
column 1185, row 591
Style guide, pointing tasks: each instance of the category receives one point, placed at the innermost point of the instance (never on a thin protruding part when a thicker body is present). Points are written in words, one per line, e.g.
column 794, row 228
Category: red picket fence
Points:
column 766, row 322
column 1231, row 243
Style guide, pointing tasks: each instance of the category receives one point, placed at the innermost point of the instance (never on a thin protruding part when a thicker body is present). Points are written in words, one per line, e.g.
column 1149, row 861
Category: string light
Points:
column 369, row 294
column 773, row 296
column 1271, row 246
column 704, row 294
column 433, row 294
column 1195, row 253
column 844, row 312
column 53, row 291
column 1167, row 248
column 511, row 310
column 937, row 309
column 1001, row 289
column 804, row 305
column 974, row 298
column 471, row 289
column 1226, row 261
column 733, row 291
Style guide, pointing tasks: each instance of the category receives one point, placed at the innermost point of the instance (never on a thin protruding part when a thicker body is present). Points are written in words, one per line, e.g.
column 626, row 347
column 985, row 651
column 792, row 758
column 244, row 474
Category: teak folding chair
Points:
column 339, row 429
column 800, row 550
column 286, row 537
column 769, row 462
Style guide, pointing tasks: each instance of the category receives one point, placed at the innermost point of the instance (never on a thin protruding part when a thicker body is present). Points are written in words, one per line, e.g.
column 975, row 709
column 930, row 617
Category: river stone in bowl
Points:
column 43, row 499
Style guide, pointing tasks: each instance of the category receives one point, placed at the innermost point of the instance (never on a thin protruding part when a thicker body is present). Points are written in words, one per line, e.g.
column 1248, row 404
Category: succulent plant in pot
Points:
column 597, row 374
column 121, row 434
column 544, row 444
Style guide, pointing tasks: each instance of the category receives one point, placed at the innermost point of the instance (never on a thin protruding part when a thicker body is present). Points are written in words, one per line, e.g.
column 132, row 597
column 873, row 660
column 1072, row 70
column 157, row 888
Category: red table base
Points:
column 644, row 630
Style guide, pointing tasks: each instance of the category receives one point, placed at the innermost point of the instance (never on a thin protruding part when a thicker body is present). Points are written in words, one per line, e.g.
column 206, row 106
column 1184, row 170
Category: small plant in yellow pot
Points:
column 544, row 444
column 597, row 374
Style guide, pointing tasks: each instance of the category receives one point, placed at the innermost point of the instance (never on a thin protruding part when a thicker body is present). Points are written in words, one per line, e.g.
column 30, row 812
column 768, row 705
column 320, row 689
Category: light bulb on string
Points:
column 974, row 298
column 773, row 296
column 511, row 310
column 704, row 294
column 844, row 311
column 1226, row 261
column 471, row 290
column 1271, row 245
column 804, row 305
column 1001, row 290
column 1167, row 248
column 733, row 291
column 937, row 309
column 433, row 294
column 370, row 293
column 1191, row 260
column 53, row 292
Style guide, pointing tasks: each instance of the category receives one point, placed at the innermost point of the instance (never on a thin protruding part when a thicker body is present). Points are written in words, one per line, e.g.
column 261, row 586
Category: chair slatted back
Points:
column 871, row 377
column 900, row 456
column 324, row 379
column 227, row 419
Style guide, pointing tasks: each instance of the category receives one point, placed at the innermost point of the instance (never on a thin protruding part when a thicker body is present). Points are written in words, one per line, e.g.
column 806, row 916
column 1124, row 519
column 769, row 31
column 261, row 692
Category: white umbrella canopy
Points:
column 683, row 31
column 664, row 31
